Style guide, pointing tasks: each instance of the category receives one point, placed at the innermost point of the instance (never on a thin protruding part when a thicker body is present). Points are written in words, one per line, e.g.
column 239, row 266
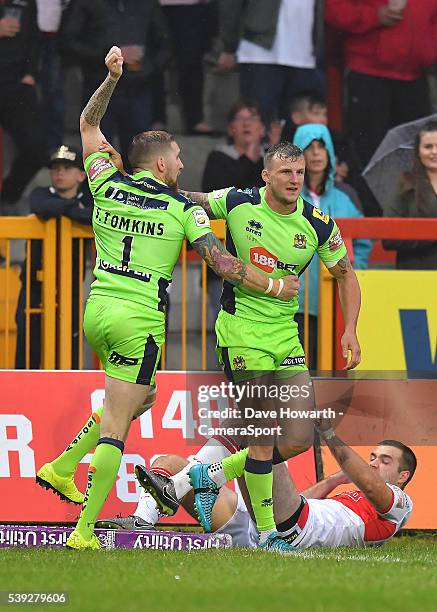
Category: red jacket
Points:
column 400, row 52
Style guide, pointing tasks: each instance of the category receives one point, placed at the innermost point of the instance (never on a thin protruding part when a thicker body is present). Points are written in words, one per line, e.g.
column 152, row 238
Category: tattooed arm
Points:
column 201, row 199
column 236, row 272
column 94, row 111
column 350, row 299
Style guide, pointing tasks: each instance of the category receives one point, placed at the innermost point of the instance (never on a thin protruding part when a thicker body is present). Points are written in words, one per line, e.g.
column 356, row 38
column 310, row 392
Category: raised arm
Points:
column 94, row 111
column 350, row 299
column 360, row 473
column 236, row 272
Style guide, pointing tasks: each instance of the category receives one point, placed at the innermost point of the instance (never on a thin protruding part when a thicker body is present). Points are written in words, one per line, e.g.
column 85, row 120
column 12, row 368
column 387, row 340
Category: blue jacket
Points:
column 334, row 202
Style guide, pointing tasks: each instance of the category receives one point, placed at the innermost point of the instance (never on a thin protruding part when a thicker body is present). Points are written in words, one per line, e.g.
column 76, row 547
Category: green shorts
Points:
column 124, row 339
column 253, row 349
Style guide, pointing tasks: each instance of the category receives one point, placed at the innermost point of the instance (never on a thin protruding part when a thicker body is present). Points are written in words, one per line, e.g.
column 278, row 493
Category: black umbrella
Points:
column 393, row 157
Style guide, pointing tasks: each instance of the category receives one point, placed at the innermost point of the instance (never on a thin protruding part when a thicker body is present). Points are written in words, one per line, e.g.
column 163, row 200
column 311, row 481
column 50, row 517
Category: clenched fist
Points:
column 290, row 289
column 114, row 63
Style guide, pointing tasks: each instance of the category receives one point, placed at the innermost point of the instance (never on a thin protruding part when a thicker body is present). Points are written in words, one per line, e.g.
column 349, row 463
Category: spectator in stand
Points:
column 278, row 45
column 67, row 195
column 51, row 72
column 306, row 107
column 310, row 107
column 90, row 29
column 417, row 197
column 319, row 189
column 191, row 26
column 236, row 163
column 239, row 161
column 388, row 46
column 19, row 110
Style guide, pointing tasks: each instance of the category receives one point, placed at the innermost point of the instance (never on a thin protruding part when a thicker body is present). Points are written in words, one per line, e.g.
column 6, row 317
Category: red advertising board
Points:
column 40, row 412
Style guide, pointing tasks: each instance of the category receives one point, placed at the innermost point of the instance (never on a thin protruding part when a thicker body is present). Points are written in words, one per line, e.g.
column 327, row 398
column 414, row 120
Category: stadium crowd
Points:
column 279, row 53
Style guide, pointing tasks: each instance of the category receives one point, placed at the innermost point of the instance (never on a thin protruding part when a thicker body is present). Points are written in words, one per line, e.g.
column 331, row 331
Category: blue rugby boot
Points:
column 275, row 543
column 205, row 494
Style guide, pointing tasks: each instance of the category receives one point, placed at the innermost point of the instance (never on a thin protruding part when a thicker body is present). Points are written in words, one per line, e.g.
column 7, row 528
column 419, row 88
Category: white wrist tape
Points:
column 281, row 286
column 269, row 288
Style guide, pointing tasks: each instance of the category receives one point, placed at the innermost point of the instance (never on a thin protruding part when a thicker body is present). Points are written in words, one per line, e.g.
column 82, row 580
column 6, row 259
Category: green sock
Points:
column 233, row 466
column 101, row 476
column 259, row 480
column 83, row 443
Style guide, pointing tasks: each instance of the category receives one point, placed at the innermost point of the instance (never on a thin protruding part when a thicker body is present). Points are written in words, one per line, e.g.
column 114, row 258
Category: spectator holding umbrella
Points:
column 417, row 197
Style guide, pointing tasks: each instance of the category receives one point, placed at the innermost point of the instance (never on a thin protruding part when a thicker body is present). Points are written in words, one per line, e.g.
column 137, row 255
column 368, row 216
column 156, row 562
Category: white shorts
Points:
column 241, row 527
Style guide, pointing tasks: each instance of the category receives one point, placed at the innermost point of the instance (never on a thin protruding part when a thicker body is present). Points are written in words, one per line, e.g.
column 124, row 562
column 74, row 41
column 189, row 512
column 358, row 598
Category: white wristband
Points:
column 281, row 286
column 269, row 288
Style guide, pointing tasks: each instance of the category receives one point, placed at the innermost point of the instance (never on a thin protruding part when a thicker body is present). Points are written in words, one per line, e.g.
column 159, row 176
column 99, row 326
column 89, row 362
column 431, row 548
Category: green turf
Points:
column 402, row 575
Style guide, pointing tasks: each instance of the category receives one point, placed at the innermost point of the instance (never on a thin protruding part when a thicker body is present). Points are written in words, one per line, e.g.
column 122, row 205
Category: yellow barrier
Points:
column 32, row 228
column 70, row 230
column 58, row 251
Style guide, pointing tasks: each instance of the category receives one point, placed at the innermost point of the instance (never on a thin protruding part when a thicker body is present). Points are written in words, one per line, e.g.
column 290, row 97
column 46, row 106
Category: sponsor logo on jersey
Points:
column 119, row 360
column 318, row 214
column 201, row 219
column 98, row 166
column 293, row 361
column 105, row 266
column 239, row 363
column 266, row 261
column 133, row 199
column 300, row 241
column 335, row 242
column 247, row 190
column 254, row 227
column 218, row 194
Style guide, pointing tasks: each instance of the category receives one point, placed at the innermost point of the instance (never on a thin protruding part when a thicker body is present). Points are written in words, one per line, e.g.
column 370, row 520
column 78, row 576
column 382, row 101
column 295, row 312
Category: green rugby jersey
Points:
column 274, row 244
column 139, row 225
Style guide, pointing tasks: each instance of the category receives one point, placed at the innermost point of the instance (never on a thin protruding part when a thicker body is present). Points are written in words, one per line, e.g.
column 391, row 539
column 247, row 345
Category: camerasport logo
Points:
column 98, row 166
column 263, row 259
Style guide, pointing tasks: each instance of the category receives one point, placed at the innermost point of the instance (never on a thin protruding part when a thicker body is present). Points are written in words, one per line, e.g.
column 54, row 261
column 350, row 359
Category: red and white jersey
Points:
column 349, row 519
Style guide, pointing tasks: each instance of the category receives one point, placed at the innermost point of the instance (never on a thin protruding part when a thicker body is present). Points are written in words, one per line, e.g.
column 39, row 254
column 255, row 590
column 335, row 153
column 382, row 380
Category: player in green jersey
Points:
column 274, row 230
column 140, row 222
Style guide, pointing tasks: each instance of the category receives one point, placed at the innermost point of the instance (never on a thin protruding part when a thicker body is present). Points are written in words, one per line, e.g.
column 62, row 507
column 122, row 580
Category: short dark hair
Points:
column 408, row 458
column 282, row 150
column 242, row 103
column 306, row 99
column 147, row 145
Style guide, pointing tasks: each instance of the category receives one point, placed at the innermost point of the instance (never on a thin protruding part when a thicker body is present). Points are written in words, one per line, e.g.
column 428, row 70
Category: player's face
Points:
column 65, row 177
column 316, row 157
column 387, row 460
column 284, row 179
column 246, row 128
column 173, row 165
column 428, row 151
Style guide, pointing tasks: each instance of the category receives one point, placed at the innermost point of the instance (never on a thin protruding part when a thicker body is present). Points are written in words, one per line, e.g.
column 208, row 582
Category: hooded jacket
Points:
column 334, row 202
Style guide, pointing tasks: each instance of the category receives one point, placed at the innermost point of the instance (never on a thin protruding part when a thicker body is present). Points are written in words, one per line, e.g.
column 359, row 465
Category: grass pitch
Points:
column 402, row 575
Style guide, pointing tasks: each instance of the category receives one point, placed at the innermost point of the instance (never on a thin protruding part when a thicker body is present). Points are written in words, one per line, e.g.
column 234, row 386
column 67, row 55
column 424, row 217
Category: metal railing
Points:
column 31, row 228
column 59, row 284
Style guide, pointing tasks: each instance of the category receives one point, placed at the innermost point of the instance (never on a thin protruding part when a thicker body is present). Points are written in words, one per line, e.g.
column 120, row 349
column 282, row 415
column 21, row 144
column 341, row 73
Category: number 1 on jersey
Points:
column 127, row 241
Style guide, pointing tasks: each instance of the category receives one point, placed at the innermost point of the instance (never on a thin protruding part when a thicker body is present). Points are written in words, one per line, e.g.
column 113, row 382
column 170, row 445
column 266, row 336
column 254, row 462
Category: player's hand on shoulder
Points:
column 117, row 160
column 114, row 62
column 290, row 288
